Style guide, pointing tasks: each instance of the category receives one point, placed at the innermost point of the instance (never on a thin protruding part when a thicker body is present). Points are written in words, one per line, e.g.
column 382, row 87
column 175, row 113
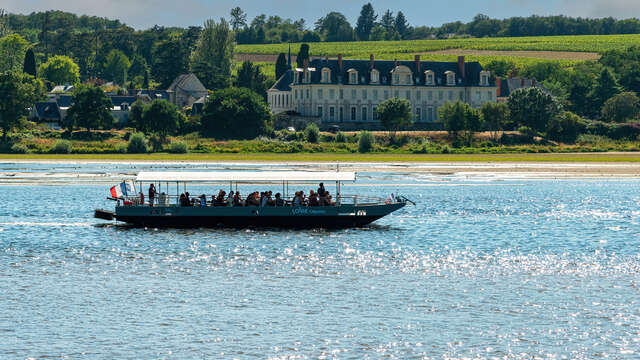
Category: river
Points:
column 481, row 267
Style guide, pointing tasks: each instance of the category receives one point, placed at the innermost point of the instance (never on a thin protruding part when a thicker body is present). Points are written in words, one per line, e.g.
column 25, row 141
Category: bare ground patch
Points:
column 548, row 55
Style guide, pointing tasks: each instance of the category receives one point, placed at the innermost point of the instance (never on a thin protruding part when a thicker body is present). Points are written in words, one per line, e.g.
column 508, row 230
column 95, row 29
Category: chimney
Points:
column 461, row 68
column 499, row 86
column 417, row 60
column 371, row 62
column 340, row 62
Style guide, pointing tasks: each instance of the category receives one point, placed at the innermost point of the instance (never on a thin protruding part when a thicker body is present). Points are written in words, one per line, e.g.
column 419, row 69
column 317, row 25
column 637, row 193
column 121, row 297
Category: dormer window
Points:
column 402, row 75
column 407, row 79
column 451, row 78
column 484, row 78
column 353, row 76
column 307, row 76
column 429, row 77
column 326, row 75
column 396, row 79
column 375, row 76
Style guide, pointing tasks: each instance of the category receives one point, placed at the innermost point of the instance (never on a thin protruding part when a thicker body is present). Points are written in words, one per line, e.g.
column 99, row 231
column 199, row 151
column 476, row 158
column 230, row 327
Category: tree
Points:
column 238, row 18
column 303, row 55
column 60, row 70
column 335, row 27
column 29, row 66
column 460, row 117
column 160, row 118
column 135, row 114
column 395, row 114
column 138, row 66
column 281, row 66
column 116, row 66
column 4, row 27
column 622, row 107
column 500, row 68
column 565, row 127
column 401, row 25
column 18, row 92
column 630, row 76
column 235, row 113
column 604, row 88
column 91, row 109
column 12, row 51
column 533, row 108
column 388, row 21
column 579, row 83
column 495, row 116
column 250, row 76
column 171, row 59
column 366, row 22
column 212, row 57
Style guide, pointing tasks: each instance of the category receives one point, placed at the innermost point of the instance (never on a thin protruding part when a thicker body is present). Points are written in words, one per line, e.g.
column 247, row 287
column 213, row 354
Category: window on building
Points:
column 364, row 113
column 407, row 80
column 430, row 95
column 341, row 114
column 353, row 113
column 408, row 95
column 320, row 111
column 364, row 94
column 353, row 77
column 307, row 76
column 326, row 75
column 450, row 95
column 374, row 115
column 418, row 95
column 489, row 95
column 375, row 76
column 396, row 79
column 341, row 94
column 308, row 94
column 440, row 95
column 332, row 94
column 332, row 113
column 319, row 93
column 451, row 78
column 353, row 94
column 386, row 94
column 430, row 114
column 396, row 94
column 428, row 77
column 375, row 94
column 295, row 94
column 478, row 96
column 461, row 96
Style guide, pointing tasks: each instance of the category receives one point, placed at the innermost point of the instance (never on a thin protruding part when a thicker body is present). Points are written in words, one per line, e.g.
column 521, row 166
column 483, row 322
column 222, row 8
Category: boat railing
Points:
column 165, row 200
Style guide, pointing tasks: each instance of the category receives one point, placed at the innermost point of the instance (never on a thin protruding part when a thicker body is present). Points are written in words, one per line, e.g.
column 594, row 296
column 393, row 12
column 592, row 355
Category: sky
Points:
column 142, row 14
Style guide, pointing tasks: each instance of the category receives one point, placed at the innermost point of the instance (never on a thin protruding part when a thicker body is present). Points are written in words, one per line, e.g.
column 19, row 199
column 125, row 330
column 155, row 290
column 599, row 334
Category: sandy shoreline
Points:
column 13, row 172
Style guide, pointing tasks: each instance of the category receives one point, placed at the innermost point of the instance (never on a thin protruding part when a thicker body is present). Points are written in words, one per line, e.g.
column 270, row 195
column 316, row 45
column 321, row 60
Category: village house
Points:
column 186, row 90
column 348, row 92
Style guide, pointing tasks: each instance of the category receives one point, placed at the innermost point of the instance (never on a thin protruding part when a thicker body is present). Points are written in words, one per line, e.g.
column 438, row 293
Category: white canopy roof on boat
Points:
column 244, row 176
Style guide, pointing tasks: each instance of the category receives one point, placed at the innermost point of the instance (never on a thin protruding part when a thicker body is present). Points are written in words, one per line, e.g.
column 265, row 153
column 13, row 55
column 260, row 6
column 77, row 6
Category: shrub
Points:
column 312, row 133
column 19, row 148
column 137, row 144
column 62, row 147
column 340, row 138
column 121, row 148
column 178, row 147
column 366, row 141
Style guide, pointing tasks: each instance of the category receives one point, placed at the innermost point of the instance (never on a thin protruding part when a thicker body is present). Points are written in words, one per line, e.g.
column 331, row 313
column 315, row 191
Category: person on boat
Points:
column 141, row 198
column 253, row 199
column 297, row 200
column 229, row 201
column 152, row 194
column 203, row 200
column 328, row 199
column 237, row 200
column 188, row 201
column 313, row 198
column 220, row 198
column 278, row 201
column 321, row 190
column 182, row 199
column 270, row 201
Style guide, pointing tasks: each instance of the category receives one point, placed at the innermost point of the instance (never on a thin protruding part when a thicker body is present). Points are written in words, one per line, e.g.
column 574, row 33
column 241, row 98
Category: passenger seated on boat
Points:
column 279, row 201
column 269, row 200
column 183, row 200
column 313, row 198
column 220, row 198
column 141, row 195
column 326, row 200
column 253, row 199
column 203, row 200
column 298, row 200
column 229, row 201
column 237, row 200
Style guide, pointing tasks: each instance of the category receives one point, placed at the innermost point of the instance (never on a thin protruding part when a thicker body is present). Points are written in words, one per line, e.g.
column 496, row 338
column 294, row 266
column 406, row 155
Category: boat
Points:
column 168, row 210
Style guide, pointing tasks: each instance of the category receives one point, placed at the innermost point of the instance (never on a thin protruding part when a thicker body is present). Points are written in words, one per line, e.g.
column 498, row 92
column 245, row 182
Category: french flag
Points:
column 124, row 189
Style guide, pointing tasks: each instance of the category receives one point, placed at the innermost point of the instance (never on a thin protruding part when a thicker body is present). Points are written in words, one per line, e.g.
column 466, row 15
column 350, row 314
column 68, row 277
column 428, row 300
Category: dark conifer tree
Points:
column 281, row 66
column 29, row 63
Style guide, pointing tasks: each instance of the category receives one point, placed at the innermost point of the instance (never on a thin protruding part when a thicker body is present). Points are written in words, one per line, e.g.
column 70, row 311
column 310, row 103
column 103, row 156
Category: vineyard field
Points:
column 389, row 49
